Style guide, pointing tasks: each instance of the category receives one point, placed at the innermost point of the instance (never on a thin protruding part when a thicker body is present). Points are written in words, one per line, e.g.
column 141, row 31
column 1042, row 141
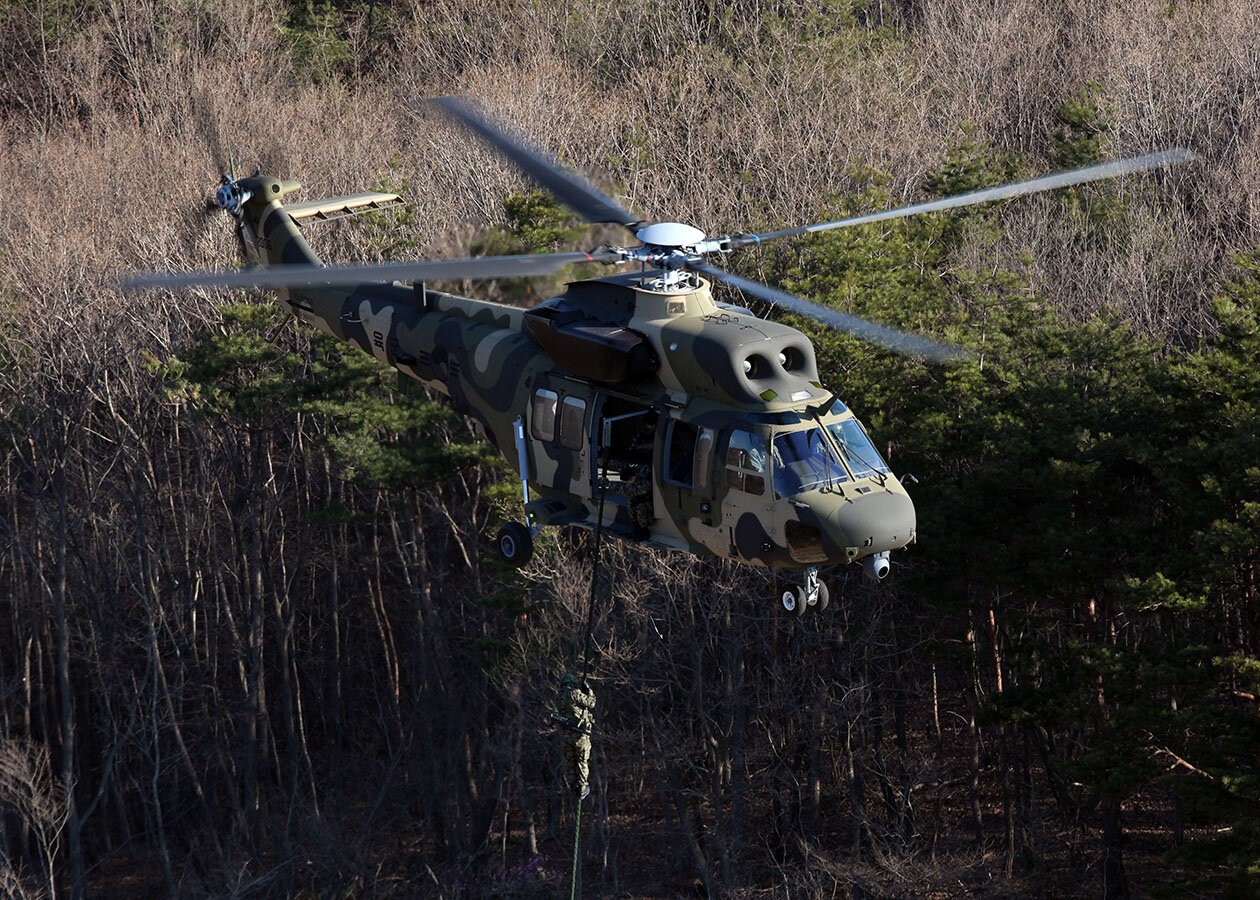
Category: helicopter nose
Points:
column 876, row 522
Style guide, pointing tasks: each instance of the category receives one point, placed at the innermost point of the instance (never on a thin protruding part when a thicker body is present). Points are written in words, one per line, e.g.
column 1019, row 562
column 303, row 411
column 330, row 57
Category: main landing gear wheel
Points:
column 824, row 598
column 816, row 594
column 794, row 600
column 516, row 544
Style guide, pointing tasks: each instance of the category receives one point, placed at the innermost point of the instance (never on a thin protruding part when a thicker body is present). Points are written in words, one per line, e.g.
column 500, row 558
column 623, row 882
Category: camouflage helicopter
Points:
column 635, row 402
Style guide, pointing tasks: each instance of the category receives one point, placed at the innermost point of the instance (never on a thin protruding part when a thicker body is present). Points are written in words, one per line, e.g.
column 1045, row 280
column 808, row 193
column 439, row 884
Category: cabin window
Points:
column 746, row 462
column 704, row 451
column 543, row 415
column 856, row 448
column 572, row 416
column 681, row 456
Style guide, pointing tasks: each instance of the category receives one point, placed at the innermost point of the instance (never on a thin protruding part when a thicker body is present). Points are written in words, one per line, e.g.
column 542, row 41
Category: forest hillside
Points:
column 254, row 641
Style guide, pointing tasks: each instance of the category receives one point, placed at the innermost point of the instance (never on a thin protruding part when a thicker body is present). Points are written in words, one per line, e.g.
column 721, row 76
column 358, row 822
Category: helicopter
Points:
column 635, row 403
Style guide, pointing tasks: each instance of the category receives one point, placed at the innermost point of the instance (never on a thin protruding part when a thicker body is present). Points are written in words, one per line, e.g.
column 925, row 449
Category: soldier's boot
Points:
column 643, row 514
column 582, row 767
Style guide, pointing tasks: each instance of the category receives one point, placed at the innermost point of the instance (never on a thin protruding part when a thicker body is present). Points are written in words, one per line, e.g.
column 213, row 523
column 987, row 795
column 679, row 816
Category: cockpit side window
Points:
column 857, row 449
column 746, row 462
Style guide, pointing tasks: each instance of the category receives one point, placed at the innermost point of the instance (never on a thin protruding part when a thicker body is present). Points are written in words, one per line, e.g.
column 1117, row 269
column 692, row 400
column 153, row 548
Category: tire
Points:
column 516, row 545
column 824, row 598
column 793, row 600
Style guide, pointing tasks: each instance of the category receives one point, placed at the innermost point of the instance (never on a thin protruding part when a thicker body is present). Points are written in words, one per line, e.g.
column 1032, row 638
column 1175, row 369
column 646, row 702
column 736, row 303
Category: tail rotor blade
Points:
column 587, row 201
column 901, row 342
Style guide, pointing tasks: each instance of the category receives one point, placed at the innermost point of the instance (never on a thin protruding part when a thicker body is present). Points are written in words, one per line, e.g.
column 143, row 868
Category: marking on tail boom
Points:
column 376, row 325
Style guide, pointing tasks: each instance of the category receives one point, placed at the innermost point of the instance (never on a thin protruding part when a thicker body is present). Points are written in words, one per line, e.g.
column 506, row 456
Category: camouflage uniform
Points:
column 575, row 710
column 636, row 476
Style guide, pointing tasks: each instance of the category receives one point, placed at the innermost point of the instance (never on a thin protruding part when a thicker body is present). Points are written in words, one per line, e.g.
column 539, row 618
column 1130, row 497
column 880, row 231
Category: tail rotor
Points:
column 232, row 196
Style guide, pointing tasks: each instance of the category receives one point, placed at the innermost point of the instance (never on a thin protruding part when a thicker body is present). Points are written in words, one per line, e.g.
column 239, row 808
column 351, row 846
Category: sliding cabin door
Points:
column 558, row 436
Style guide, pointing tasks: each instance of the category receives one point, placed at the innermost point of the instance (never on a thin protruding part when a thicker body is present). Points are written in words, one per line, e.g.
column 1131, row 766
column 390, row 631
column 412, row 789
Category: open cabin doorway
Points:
column 628, row 439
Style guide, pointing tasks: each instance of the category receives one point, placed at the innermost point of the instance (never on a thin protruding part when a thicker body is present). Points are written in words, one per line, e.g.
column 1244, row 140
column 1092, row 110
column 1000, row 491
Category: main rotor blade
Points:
column 588, row 202
column 306, row 276
column 1044, row 183
column 889, row 338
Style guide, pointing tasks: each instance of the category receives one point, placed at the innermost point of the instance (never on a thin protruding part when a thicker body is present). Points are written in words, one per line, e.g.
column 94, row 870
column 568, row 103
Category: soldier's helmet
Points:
column 569, row 681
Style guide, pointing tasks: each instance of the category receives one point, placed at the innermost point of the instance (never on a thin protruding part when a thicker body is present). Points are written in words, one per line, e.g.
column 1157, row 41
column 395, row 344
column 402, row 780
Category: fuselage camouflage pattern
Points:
column 752, row 458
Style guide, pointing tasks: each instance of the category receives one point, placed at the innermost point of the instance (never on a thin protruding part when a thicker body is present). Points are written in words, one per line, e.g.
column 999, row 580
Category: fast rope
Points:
column 575, row 877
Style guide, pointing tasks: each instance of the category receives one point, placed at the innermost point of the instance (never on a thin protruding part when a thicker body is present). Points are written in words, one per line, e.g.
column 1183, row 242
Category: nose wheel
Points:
column 799, row 598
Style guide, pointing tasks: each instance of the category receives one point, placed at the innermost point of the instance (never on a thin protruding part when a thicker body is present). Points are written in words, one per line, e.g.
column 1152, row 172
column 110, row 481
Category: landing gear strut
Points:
column 816, row 593
column 813, row 594
column 515, row 541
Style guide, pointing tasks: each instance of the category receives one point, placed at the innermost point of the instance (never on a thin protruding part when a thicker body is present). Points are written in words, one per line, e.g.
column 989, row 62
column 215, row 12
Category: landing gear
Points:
column 516, row 541
column 813, row 594
column 516, row 544
column 794, row 600
column 824, row 598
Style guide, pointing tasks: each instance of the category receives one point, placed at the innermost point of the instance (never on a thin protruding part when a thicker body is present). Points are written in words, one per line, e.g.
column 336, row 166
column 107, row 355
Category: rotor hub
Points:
column 673, row 280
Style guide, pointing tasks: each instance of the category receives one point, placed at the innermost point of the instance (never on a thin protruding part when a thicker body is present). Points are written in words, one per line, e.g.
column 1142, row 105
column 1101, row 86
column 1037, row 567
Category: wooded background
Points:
column 254, row 643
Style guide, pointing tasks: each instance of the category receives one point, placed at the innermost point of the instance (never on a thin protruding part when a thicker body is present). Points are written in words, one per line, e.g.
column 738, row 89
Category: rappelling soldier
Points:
column 575, row 712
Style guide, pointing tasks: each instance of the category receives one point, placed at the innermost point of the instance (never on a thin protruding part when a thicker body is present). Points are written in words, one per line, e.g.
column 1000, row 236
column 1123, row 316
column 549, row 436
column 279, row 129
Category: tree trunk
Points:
column 1115, row 886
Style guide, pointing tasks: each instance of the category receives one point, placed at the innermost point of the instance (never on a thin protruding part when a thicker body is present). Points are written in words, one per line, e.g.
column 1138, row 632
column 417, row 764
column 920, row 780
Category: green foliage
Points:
column 13, row 350
column 970, row 165
column 1210, row 448
column 1070, row 479
column 1085, row 127
column 539, row 222
column 633, row 151
column 312, row 34
column 15, row 356
column 47, row 22
column 391, row 232
column 247, row 375
column 1084, row 139
column 535, row 223
column 1213, row 421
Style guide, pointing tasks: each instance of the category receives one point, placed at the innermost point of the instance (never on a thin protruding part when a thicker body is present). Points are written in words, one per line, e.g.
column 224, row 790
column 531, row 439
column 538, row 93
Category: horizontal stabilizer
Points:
column 339, row 207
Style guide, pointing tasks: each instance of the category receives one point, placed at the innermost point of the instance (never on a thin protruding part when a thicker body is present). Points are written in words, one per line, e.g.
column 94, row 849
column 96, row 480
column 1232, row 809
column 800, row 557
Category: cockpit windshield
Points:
column 858, row 451
column 803, row 461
